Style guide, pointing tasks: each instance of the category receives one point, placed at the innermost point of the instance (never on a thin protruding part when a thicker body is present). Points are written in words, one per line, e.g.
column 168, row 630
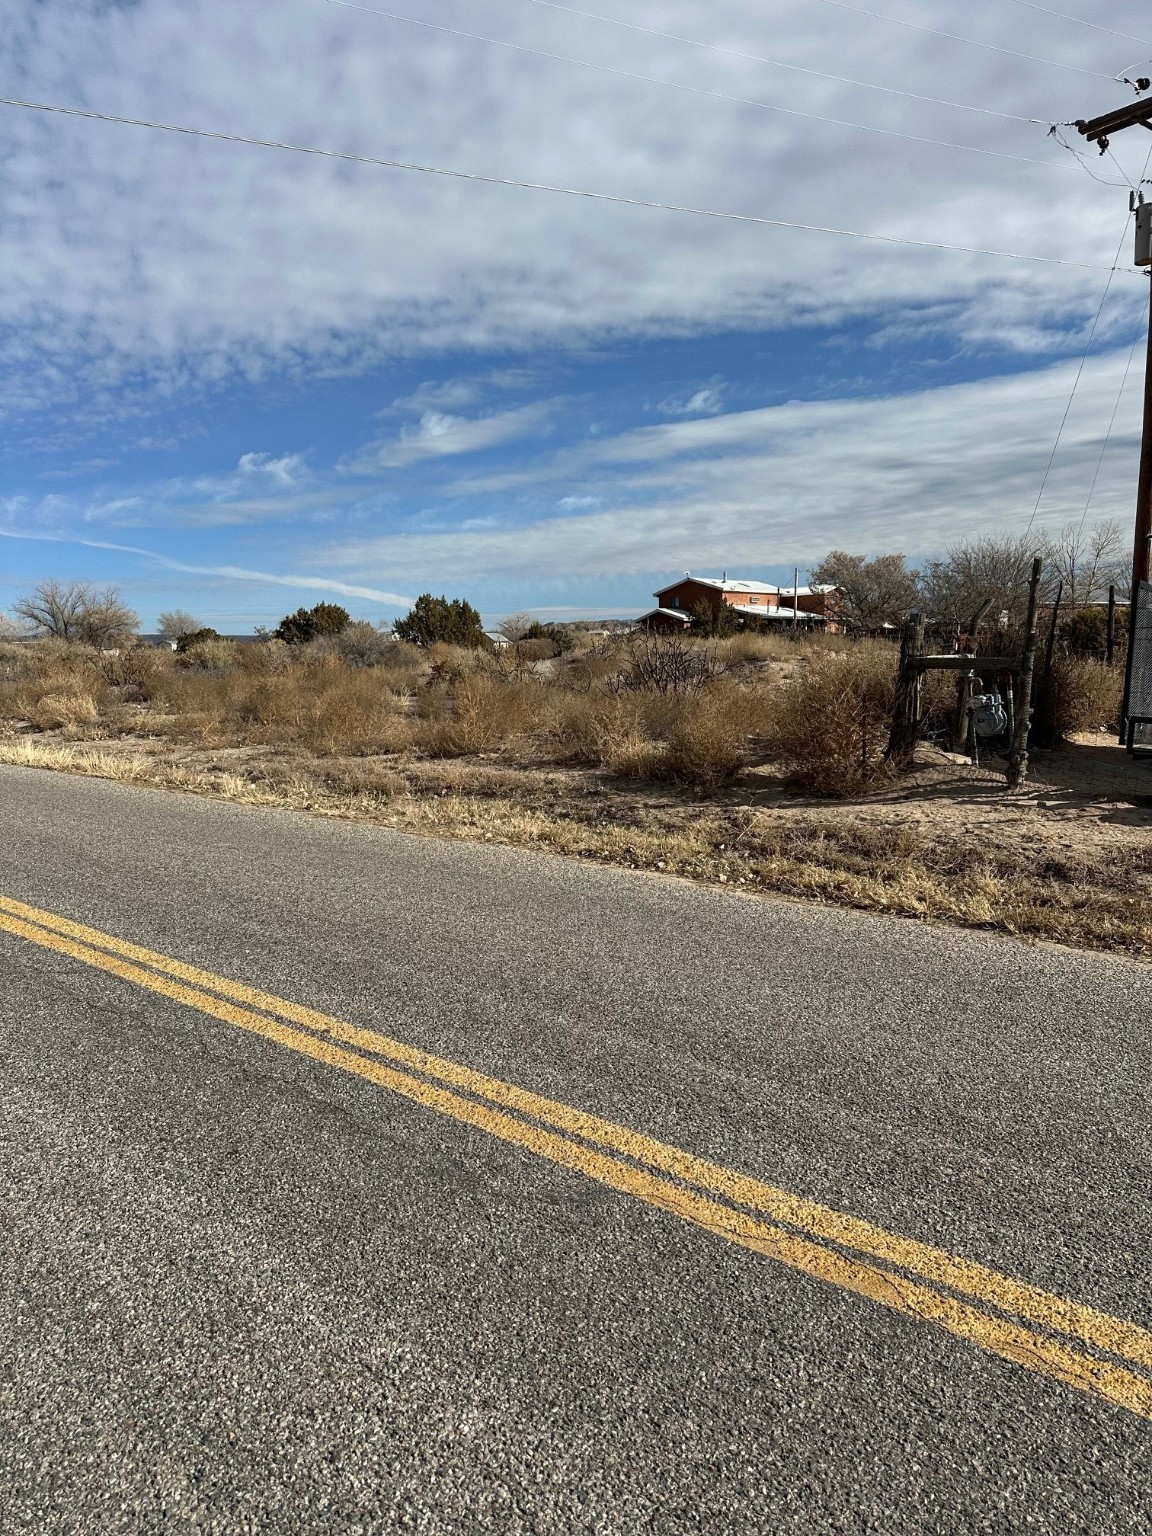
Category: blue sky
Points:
column 234, row 379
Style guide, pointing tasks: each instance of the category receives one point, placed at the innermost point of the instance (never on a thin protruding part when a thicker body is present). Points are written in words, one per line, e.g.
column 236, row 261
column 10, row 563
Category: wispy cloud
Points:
column 783, row 484
column 308, row 583
column 286, row 471
column 141, row 260
column 708, row 400
column 440, row 435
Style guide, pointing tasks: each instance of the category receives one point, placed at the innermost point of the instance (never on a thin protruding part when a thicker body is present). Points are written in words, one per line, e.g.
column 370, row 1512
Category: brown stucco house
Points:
column 751, row 601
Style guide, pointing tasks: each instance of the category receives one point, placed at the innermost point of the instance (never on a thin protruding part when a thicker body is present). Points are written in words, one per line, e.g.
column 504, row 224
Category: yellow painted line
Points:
column 1005, row 1336
column 1028, row 1302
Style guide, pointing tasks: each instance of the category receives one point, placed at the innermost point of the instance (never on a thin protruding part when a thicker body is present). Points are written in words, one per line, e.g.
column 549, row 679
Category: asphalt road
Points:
column 246, row 1292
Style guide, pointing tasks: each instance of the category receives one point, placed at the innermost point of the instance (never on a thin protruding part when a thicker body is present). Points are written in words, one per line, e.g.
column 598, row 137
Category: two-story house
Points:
column 695, row 597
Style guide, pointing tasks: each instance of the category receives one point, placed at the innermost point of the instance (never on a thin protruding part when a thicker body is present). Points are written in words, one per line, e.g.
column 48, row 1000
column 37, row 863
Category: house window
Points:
column 675, row 602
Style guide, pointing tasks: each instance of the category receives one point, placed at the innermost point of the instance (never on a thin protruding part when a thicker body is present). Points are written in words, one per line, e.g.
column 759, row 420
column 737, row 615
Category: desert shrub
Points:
column 1085, row 695
column 54, row 711
column 270, row 655
column 329, row 709
column 700, row 739
column 630, row 753
column 534, row 648
column 1084, row 633
column 749, row 648
column 707, row 735
column 577, row 724
column 484, row 712
column 212, row 655
column 134, row 671
column 667, row 664
column 310, row 623
column 435, row 619
column 448, row 665
column 937, row 705
column 194, row 637
column 831, row 723
column 17, row 660
column 359, row 644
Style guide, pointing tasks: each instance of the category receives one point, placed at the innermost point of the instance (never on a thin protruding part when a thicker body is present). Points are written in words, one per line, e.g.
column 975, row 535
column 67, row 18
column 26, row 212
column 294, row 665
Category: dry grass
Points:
column 1092, row 902
column 567, row 753
column 1086, row 695
column 831, row 727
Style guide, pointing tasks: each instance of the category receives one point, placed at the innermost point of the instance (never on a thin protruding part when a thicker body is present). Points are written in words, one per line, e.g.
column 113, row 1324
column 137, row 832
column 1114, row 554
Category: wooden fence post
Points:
column 1018, row 757
column 909, row 685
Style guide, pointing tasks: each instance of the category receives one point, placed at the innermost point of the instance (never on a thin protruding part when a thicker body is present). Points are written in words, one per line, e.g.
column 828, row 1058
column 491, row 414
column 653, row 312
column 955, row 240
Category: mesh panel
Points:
column 1140, row 696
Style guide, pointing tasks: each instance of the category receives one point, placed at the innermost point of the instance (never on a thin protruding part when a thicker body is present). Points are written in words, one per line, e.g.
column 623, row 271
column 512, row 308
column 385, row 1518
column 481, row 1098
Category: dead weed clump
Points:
column 482, row 713
column 831, row 721
column 1086, row 695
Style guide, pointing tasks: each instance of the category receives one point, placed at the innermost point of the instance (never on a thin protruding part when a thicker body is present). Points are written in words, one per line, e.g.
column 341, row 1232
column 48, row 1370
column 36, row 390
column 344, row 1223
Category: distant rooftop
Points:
column 723, row 584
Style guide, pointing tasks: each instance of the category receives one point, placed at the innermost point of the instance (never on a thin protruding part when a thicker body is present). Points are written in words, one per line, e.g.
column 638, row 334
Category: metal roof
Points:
column 722, row 585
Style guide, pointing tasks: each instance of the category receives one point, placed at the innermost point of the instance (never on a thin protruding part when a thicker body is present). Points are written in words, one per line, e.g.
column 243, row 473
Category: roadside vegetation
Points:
column 753, row 760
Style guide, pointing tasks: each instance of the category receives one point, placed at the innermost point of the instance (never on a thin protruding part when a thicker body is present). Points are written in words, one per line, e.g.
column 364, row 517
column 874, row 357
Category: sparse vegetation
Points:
column 645, row 750
column 831, row 727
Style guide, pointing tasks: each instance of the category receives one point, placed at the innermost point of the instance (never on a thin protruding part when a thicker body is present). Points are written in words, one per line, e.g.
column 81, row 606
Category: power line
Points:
column 971, row 42
column 1080, row 370
column 542, row 186
column 1084, row 163
column 799, row 69
column 694, row 90
column 1112, row 422
column 1080, row 22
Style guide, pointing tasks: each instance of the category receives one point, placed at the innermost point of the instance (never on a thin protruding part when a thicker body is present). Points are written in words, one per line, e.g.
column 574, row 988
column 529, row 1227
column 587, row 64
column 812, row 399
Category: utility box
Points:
column 1144, row 235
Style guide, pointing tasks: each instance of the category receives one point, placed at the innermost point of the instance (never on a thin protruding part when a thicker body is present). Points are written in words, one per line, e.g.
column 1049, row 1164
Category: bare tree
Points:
column 54, row 608
column 515, row 626
column 106, row 622
column 872, row 592
column 175, row 625
column 1088, row 561
column 9, row 630
column 75, row 610
column 978, row 570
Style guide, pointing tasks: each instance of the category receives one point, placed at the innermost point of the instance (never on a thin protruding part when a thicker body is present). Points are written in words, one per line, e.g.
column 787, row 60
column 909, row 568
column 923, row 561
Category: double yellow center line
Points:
column 1075, row 1344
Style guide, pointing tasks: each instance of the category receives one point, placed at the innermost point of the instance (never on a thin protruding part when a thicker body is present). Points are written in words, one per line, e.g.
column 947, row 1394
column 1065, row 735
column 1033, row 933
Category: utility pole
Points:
column 1097, row 130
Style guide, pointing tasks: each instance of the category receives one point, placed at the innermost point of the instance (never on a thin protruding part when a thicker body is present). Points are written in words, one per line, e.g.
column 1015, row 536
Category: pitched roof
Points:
column 721, row 586
column 666, row 613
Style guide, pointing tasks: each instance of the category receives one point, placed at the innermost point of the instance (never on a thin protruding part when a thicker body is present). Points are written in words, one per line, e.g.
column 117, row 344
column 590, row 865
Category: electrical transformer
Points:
column 1144, row 235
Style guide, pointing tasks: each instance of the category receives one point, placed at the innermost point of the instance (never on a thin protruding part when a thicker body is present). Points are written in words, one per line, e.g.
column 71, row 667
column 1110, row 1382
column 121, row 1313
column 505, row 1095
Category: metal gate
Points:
column 1140, row 671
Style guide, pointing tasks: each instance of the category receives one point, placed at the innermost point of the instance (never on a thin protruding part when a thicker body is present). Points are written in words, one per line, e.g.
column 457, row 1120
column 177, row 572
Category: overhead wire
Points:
column 694, row 90
column 1079, row 20
column 1112, row 421
column 1085, row 163
column 798, row 69
column 1080, row 370
column 542, row 186
column 896, row 20
column 971, row 42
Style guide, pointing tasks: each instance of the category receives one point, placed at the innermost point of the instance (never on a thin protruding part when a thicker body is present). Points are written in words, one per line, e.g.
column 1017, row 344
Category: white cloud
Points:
column 785, row 483
column 439, row 435
column 286, row 471
column 708, row 400
column 138, row 261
